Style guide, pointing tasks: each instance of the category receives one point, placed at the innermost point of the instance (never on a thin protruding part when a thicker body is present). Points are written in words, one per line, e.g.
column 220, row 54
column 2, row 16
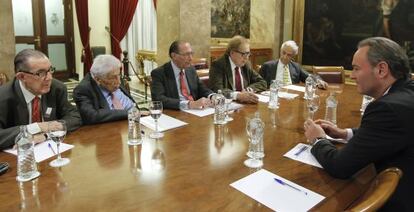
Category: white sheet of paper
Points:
column 296, row 88
column 285, row 95
column 165, row 123
column 262, row 187
column 201, row 113
column 304, row 157
column 263, row 98
column 42, row 150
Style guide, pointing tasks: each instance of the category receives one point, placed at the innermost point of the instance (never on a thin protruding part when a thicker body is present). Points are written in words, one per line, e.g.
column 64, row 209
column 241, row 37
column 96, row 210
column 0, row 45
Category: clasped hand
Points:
column 200, row 103
column 321, row 128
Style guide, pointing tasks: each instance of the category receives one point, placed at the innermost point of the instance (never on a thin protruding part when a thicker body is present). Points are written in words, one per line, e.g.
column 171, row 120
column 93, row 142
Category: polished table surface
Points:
column 189, row 169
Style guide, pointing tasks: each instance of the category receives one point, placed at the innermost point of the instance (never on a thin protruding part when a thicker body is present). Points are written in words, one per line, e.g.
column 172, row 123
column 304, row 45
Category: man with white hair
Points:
column 100, row 96
column 284, row 69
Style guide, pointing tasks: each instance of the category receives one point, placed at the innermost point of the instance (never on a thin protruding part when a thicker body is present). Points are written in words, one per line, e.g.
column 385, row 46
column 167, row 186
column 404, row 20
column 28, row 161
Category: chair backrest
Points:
column 330, row 74
column 380, row 190
column 199, row 63
column 97, row 50
column 3, row 78
column 141, row 56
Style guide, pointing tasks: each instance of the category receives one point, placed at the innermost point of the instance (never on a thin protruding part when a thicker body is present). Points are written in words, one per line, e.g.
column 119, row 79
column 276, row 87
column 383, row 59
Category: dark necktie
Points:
column 183, row 87
column 237, row 79
column 36, row 110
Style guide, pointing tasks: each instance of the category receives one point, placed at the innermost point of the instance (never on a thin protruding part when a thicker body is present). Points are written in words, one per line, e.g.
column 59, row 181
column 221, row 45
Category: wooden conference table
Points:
column 190, row 169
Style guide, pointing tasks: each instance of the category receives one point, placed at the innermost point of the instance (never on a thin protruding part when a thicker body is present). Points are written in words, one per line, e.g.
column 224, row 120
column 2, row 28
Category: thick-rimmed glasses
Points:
column 243, row 54
column 41, row 73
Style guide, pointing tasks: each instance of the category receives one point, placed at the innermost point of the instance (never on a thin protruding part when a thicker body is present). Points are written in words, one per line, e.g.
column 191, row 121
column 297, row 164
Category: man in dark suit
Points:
column 284, row 69
column 232, row 72
column 176, row 83
column 35, row 99
column 385, row 138
column 99, row 96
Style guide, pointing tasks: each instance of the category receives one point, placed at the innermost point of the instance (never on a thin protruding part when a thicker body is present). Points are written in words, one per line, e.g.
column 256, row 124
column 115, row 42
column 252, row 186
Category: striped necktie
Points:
column 116, row 103
column 183, row 87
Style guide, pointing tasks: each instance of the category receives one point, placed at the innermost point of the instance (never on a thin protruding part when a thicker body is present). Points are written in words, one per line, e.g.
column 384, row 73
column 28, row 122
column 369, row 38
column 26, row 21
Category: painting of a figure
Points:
column 333, row 28
column 229, row 18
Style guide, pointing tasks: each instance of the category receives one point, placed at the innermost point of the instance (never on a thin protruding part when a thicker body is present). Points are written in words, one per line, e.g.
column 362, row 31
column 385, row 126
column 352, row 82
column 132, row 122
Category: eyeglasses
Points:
column 243, row 54
column 187, row 54
column 41, row 73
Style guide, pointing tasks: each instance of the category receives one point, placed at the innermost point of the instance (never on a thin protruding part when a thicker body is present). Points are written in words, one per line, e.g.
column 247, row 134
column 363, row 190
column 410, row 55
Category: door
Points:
column 47, row 25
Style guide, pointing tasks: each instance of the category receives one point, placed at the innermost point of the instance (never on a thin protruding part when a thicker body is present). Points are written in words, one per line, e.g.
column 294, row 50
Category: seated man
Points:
column 176, row 83
column 385, row 138
column 284, row 69
column 232, row 72
column 33, row 98
column 100, row 96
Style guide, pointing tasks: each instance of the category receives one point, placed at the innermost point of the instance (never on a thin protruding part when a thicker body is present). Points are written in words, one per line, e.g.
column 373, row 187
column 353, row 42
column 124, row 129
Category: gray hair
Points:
column 20, row 61
column 103, row 64
column 384, row 49
column 291, row 44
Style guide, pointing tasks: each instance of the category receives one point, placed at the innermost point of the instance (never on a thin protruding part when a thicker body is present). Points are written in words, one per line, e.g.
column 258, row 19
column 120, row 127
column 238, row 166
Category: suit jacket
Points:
column 221, row 76
column 269, row 69
column 385, row 138
column 164, row 87
column 14, row 112
column 93, row 106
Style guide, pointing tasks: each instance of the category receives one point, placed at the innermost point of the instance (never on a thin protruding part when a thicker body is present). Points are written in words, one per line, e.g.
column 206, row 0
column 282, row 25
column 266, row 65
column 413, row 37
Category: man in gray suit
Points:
column 284, row 69
column 35, row 99
column 99, row 96
column 176, row 83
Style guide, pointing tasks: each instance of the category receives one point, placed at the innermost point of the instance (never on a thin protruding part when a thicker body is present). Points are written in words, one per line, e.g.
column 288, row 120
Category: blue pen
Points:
column 291, row 186
column 302, row 149
column 50, row 146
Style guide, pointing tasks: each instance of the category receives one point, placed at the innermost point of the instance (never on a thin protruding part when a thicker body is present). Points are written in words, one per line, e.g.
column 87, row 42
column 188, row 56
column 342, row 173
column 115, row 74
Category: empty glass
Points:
column 255, row 131
column 228, row 100
column 57, row 132
column 155, row 109
column 313, row 105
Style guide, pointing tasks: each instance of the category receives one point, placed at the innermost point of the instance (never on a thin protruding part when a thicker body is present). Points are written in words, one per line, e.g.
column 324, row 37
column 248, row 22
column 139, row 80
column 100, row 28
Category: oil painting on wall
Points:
column 333, row 28
column 229, row 18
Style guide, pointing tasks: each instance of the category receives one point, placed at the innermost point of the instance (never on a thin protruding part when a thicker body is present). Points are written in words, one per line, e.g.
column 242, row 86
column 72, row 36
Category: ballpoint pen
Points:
column 51, row 148
column 291, row 186
column 302, row 149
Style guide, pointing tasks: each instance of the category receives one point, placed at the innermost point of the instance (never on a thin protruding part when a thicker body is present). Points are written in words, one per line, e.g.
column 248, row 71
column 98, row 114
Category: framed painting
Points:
column 229, row 18
column 328, row 31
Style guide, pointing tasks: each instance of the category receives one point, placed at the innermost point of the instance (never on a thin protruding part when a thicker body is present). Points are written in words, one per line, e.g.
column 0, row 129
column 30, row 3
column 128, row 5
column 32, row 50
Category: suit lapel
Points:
column 170, row 78
column 22, row 111
column 273, row 72
column 190, row 82
column 229, row 72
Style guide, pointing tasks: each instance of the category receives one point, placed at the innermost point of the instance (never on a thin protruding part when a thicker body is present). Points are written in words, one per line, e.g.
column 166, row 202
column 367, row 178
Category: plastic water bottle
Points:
column 273, row 97
column 219, row 108
column 331, row 105
column 134, row 129
column 310, row 87
column 26, row 163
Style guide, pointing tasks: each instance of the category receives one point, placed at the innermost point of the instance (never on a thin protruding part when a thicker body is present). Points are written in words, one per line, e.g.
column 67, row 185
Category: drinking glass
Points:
column 57, row 132
column 255, row 132
column 228, row 100
column 313, row 105
column 155, row 108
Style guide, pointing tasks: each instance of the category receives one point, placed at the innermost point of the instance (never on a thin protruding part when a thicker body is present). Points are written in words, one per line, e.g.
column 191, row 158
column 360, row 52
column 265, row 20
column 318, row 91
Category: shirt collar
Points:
column 28, row 96
column 175, row 69
column 233, row 66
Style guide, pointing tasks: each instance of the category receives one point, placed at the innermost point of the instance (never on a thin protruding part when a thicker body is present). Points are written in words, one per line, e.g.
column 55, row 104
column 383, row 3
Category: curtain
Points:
column 142, row 34
column 84, row 29
column 121, row 13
